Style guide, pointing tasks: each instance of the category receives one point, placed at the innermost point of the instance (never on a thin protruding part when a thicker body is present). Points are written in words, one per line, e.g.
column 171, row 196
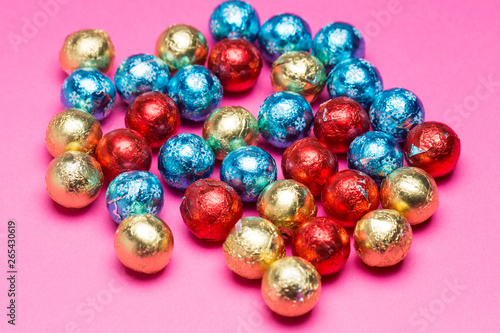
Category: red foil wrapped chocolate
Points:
column 155, row 116
column 324, row 243
column 348, row 196
column 236, row 62
column 123, row 150
column 339, row 121
column 210, row 208
column 433, row 147
column 310, row 162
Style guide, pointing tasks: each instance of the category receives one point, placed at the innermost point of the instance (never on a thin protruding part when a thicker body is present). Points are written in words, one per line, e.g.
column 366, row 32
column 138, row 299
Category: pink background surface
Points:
column 444, row 51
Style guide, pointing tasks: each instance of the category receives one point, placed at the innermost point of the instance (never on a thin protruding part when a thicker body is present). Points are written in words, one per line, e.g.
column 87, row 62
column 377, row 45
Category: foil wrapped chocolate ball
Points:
column 252, row 245
column 196, row 91
column 74, row 179
column 336, row 42
column 339, row 121
column 348, row 196
column 324, row 243
column 144, row 243
column 155, row 116
column 72, row 130
column 123, row 150
column 132, row 193
column 284, row 118
column 299, row 72
column 229, row 128
column 375, row 153
column 382, row 238
column 291, row 287
column 184, row 159
column 288, row 204
column 433, row 147
column 89, row 90
column 248, row 170
column 210, row 208
column 141, row 73
column 181, row 45
column 396, row 111
column 236, row 62
column 412, row 192
column 284, row 33
column 88, row 48
column 310, row 162
column 355, row 78
column 234, row 19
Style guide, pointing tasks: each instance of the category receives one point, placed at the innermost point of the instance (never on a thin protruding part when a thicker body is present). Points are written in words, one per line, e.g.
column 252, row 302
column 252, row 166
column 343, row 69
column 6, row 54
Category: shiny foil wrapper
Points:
column 181, row 45
column 229, row 128
column 291, row 287
column 433, row 147
column 234, row 19
column 309, row 162
column 252, row 245
column 72, row 130
column 412, row 192
column 144, row 243
column 90, row 48
column 288, row 204
column 210, row 208
column 382, row 238
column 299, row 72
column 74, row 179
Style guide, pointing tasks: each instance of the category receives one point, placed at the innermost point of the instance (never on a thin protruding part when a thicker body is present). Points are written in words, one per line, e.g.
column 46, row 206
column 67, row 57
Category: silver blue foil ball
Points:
column 355, row 78
column 134, row 192
column 375, row 153
column 283, row 33
column 284, row 118
column 184, row 159
column 396, row 111
column 89, row 90
column 141, row 73
column 248, row 170
column 196, row 91
column 234, row 19
column 336, row 42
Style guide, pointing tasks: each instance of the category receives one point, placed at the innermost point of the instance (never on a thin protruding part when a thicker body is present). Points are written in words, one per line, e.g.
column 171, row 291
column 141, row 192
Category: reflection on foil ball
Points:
column 144, row 243
column 252, row 245
column 382, row 238
column 184, row 159
column 89, row 90
column 248, row 170
column 181, row 45
column 339, row 121
column 90, row 48
column 196, row 91
column 291, row 287
column 234, row 19
column 283, row 33
column 338, row 41
column 141, row 73
column 412, row 192
column 74, row 179
column 134, row 192
column 288, row 204
column 299, row 72
column 375, row 153
column 285, row 117
column 210, row 208
column 433, row 147
column 72, row 130
column 396, row 111
column 355, row 78
column 229, row 128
